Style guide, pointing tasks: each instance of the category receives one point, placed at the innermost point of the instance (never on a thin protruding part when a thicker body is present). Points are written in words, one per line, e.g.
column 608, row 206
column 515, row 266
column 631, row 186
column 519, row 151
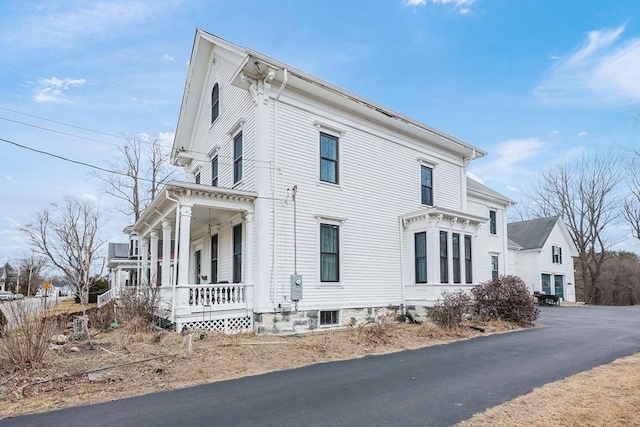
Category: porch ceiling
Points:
column 209, row 205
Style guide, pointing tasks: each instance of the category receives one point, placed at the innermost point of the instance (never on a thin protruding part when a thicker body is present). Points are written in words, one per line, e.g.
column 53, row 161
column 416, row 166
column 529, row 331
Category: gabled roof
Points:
column 196, row 77
column 531, row 234
column 482, row 190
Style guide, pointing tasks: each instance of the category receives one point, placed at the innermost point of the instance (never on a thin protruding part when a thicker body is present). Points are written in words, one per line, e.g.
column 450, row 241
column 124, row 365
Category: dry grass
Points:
column 127, row 362
column 608, row 395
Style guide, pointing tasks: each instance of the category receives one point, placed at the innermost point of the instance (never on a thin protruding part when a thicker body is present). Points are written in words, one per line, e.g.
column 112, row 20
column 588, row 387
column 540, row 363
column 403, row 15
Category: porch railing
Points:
column 105, row 297
column 214, row 296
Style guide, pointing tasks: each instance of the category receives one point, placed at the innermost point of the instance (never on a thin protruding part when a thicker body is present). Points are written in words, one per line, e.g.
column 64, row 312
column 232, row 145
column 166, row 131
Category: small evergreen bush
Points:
column 451, row 309
column 506, row 298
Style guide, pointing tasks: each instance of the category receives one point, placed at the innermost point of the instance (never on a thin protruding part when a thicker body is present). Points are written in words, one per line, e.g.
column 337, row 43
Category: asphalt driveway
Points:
column 435, row 386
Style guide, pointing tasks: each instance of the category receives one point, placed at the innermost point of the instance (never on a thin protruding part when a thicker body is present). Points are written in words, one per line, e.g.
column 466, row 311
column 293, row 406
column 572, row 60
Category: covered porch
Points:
column 205, row 279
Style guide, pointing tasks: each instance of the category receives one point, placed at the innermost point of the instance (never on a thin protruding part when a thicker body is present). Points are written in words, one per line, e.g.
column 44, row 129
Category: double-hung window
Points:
column 237, row 158
column 493, row 224
column 444, row 258
column 214, row 171
column 329, row 253
column 328, row 158
column 455, row 243
column 237, row 253
column 494, row 267
column 556, row 254
column 426, row 185
column 468, row 264
column 214, row 258
column 215, row 102
column 421, row 257
column 197, row 180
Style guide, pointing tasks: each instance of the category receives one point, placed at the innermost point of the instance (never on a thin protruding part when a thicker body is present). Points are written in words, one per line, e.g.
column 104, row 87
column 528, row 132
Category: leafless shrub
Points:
column 377, row 331
column 451, row 309
column 102, row 318
column 506, row 298
column 138, row 309
column 26, row 340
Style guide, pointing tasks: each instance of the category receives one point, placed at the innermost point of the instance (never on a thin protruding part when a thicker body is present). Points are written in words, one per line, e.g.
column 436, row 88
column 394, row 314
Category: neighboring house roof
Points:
column 118, row 250
column 196, row 77
column 474, row 186
column 531, row 234
column 513, row 245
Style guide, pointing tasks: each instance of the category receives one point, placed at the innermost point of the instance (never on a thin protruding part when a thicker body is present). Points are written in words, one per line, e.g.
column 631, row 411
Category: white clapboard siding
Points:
column 379, row 181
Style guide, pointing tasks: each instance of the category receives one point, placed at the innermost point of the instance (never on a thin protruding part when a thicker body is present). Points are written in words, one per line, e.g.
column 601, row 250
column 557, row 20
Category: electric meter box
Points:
column 296, row 287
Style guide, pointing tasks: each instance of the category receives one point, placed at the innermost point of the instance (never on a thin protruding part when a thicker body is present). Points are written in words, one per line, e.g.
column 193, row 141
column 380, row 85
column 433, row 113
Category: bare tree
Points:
column 68, row 236
column 139, row 171
column 631, row 204
column 31, row 267
column 583, row 191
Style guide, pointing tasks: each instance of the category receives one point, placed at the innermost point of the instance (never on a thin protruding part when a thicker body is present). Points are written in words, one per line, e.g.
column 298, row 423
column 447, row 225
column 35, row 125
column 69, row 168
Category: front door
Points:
column 198, row 265
column 559, row 286
column 546, row 283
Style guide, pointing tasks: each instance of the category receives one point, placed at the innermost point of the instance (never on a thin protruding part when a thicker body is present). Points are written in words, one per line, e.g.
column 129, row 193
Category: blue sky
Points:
column 528, row 81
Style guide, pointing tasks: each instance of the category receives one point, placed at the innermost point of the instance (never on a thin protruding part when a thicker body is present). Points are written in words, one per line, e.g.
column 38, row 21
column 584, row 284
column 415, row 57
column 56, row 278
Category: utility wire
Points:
column 205, row 155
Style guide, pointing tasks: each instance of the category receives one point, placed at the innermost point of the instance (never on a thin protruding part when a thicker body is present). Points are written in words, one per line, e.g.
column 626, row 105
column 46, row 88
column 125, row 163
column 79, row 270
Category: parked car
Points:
column 18, row 296
column 6, row 296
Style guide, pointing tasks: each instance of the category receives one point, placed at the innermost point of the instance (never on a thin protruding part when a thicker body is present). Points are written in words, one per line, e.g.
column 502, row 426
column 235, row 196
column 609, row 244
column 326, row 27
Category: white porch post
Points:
column 154, row 258
column 166, row 253
column 249, row 250
column 144, row 256
column 185, row 244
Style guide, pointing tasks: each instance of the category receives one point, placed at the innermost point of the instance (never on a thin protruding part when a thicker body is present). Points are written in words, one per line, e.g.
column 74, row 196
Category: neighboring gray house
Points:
column 542, row 253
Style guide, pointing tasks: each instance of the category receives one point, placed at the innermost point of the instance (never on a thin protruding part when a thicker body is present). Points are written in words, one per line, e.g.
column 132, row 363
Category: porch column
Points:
column 185, row 244
column 166, row 253
column 144, row 257
column 154, row 258
column 248, row 262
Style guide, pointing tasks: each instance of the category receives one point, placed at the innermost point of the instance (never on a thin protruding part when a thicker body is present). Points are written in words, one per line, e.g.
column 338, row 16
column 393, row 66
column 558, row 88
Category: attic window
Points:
column 215, row 102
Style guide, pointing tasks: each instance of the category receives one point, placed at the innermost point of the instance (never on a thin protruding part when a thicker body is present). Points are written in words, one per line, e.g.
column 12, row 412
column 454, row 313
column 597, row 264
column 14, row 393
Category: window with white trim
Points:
column 468, row 264
column 328, row 158
column 493, row 222
column 455, row 246
column 214, row 171
column 420, row 241
column 494, row 267
column 329, row 317
column 556, row 254
column 426, row 185
column 197, row 178
column 237, row 158
column 214, row 258
column 444, row 258
column 237, row 253
column 329, row 253
column 215, row 102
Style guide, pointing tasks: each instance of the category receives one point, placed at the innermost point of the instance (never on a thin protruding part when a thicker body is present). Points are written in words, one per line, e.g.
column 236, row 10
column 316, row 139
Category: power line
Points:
column 205, row 155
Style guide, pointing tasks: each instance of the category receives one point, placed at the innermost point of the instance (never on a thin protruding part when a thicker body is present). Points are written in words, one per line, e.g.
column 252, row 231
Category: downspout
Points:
column 274, row 274
column 402, row 266
column 175, row 256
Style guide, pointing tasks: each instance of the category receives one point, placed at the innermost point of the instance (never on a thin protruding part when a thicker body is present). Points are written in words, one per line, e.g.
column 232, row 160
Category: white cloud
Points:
column 51, row 90
column 554, row 57
column 462, row 6
column 509, row 161
column 554, row 133
column 13, row 223
column 88, row 196
column 167, row 57
column 603, row 70
column 583, row 133
column 511, row 188
column 10, row 178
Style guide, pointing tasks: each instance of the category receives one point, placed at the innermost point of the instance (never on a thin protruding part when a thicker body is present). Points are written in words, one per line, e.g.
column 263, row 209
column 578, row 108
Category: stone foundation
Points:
column 304, row 321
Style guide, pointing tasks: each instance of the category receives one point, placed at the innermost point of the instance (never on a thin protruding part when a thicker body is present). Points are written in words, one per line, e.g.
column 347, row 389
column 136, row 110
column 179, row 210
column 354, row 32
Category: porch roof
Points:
column 208, row 203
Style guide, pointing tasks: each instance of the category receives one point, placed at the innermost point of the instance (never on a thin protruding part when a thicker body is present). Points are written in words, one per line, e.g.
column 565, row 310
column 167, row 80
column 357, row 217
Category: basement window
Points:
column 330, row 318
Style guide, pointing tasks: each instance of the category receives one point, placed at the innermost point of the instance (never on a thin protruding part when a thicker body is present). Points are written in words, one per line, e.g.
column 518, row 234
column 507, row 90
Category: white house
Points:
column 309, row 206
column 544, row 259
